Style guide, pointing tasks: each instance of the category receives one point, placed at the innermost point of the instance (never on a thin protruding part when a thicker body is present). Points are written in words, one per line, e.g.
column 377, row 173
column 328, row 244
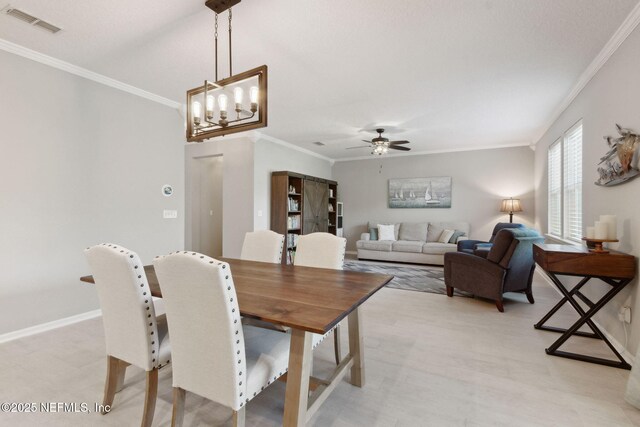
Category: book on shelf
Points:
column 294, row 205
column 292, row 240
column 293, row 222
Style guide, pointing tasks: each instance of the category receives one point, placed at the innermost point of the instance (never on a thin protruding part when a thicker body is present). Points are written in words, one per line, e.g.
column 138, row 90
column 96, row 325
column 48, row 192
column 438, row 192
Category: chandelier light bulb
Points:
column 237, row 95
column 197, row 112
column 211, row 101
column 253, row 94
column 253, row 97
column 222, row 102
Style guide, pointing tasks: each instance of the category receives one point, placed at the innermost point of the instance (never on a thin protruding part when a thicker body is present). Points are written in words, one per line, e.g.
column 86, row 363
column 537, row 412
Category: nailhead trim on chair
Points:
column 281, row 248
column 236, row 319
column 152, row 327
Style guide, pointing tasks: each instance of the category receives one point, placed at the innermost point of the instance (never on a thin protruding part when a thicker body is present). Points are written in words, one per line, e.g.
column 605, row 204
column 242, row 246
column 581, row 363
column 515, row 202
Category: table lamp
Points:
column 510, row 206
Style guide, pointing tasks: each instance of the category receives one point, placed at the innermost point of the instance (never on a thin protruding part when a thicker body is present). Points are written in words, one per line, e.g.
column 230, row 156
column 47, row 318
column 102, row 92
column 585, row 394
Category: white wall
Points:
column 81, row 164
column 480, row 180
column 270, row 157
column 611, row 97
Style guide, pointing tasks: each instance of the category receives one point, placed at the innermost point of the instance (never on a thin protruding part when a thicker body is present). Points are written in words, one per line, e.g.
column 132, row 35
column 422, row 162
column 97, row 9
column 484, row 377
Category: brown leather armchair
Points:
column 508, row 267
column 480, row 247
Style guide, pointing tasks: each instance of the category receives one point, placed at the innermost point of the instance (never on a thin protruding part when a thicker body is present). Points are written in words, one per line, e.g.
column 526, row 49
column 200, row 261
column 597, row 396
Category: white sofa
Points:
column 416, row 242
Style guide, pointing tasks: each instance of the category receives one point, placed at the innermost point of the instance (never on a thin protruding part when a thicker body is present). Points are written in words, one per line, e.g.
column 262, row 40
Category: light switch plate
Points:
column 169, row 214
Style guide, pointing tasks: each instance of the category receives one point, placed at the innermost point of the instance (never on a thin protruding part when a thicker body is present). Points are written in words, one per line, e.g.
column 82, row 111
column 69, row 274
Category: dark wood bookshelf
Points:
column 286, row 187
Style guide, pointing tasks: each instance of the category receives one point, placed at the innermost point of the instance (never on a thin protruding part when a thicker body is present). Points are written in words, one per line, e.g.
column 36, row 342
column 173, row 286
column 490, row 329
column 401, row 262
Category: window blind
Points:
column 572, row 183
column 555, row 189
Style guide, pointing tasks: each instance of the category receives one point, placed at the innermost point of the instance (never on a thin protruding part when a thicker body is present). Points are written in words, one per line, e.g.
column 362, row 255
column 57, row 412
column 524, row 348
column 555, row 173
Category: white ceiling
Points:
column 447, row 74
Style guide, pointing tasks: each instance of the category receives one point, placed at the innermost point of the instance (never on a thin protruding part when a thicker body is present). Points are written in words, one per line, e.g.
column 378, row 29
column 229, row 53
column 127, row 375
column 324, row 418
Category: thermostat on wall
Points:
column 167, row 190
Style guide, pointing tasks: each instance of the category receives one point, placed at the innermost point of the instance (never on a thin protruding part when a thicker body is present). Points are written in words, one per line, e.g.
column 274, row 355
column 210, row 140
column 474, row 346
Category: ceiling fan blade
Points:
column 359, row 146
column 393, row 147
column 398, row 142
column 370, row 142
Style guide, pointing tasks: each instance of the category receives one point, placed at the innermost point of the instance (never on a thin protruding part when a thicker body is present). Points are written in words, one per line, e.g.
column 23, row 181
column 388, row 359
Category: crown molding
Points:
column 259, row 135
column 19, row 50
column 626, row 28
column 443, row 151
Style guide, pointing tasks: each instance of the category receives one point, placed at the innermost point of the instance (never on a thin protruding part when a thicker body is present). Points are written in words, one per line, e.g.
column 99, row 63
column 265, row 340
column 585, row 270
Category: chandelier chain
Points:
column 230, row 60
column 215, row 35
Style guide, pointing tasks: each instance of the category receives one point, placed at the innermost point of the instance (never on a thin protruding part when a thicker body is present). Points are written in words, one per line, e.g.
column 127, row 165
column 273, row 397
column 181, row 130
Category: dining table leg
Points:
column 297, row 392
column 356, row 348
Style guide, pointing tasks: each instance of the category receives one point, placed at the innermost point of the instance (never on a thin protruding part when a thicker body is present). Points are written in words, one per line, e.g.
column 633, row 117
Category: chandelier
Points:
column 210, row 112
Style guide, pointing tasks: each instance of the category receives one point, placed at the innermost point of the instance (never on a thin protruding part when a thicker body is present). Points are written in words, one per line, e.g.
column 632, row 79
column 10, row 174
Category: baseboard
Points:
column 630, row 358
column 43, row 327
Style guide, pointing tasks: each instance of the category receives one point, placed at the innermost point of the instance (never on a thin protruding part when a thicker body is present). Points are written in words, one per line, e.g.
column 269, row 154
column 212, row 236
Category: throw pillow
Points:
column 456, row 234
column 373, row 233
column 386, row 232
column 396, row 228
column 445, row 236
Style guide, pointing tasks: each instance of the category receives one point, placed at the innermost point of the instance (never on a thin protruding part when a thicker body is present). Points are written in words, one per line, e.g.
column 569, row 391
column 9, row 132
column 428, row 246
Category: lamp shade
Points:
column 511, row 205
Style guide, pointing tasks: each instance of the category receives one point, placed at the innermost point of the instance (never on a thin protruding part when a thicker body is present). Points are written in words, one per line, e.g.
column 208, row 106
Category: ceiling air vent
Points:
column 46, row 26
column 25, row 17
column 30, row 19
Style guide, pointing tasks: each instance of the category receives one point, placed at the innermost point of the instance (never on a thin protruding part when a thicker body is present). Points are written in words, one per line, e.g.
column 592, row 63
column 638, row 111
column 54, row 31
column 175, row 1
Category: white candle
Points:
column 612, row 226
column 601, row 229
column 591, row 232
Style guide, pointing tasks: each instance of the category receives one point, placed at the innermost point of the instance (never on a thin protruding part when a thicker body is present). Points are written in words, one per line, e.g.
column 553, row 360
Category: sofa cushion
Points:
column 434, row 232
column 375, row 245
column 416, row 231
column 434, row 248
column 396, row 227
column 407, row 246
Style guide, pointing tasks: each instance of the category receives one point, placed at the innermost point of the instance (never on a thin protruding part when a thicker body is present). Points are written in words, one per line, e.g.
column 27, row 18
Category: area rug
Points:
column 406, row 277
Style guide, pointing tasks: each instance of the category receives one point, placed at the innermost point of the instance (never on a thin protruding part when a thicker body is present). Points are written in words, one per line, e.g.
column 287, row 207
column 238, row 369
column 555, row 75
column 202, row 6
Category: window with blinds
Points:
column 572, row 183
column 555, row 189
column 565, row 185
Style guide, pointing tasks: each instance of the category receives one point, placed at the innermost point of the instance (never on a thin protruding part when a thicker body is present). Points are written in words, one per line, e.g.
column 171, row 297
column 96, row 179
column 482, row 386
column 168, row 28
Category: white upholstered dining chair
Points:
column 133, row 333
column 214, row 355
column 322, row 250
column 262, row 246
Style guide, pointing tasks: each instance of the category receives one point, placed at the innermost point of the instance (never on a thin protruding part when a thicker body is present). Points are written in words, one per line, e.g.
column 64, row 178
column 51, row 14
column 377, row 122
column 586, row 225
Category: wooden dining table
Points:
column 307, row 300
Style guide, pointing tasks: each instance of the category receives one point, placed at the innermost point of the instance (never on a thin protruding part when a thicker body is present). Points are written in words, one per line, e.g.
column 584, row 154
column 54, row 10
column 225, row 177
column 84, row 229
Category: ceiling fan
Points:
column 380, row 145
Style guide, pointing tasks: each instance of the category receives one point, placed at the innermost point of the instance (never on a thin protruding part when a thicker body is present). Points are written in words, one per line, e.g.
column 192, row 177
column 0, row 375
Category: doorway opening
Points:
column 206, row 205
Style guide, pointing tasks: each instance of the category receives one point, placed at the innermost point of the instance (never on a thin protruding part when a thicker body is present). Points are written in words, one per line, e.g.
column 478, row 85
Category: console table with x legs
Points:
column 616, row 269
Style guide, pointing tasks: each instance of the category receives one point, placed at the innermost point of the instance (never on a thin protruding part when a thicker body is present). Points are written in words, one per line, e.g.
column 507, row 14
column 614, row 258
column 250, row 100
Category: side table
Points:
column 614, row 268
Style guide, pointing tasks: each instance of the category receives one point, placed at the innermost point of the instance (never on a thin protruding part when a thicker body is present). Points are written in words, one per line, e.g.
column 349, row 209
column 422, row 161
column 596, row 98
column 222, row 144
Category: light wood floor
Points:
column 430, row 361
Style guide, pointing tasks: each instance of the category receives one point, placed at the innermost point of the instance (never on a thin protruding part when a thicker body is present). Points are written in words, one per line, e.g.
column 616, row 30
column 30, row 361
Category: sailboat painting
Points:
column 433, row 192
